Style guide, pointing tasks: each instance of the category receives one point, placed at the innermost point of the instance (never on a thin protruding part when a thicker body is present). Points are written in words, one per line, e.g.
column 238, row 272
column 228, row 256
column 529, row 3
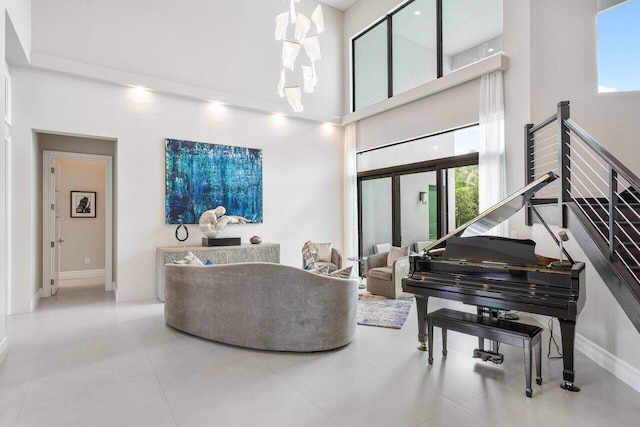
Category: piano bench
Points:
column 504, row 331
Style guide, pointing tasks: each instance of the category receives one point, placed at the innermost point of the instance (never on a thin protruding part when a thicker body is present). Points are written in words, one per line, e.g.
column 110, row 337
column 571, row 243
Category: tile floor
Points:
column 82, row 360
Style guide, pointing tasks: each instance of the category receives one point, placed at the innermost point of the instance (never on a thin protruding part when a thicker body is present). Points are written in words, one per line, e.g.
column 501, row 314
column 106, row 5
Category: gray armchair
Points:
column 384, row 280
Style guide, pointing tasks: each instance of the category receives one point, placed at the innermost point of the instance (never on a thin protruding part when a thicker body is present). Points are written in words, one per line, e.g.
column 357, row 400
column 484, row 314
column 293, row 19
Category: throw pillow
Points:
column 396, row 253
column 189, row 259
column 324, row 252
column 343, row 273
column 324, row 270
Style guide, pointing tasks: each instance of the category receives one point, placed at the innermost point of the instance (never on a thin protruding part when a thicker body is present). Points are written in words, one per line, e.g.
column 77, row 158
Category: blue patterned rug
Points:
column 374, row 310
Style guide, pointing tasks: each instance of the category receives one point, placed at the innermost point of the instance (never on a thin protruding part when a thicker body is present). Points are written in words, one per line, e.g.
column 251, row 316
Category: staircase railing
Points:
column 592, row 181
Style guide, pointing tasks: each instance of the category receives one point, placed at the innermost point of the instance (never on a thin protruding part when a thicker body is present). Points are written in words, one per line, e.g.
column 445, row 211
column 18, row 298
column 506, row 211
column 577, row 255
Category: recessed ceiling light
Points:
column 417, row 13
column 490, row 49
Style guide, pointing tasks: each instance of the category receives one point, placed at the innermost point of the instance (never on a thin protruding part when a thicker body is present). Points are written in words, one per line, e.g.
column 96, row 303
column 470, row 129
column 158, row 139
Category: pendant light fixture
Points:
column 299, row 69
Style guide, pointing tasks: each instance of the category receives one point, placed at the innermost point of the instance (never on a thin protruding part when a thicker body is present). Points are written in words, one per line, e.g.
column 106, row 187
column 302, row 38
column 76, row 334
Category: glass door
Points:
column 418, row 209
column 461, row 195
column 376, row 214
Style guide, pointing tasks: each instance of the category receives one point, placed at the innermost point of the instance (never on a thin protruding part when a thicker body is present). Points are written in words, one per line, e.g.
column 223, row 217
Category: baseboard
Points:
column 81, row 278
column 36, row 299
column 4, row 348
column 612, row 363
column 617, row 367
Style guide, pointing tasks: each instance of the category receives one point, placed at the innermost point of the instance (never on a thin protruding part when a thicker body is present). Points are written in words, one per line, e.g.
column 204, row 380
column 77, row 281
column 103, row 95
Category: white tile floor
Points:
column 82, row 360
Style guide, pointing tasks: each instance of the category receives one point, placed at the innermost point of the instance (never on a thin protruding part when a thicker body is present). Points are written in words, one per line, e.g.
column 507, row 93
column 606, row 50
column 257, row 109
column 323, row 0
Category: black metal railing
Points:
column 601, row 187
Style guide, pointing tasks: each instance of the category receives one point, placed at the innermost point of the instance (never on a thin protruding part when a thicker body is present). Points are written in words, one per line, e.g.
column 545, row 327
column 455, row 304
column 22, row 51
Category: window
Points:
column 421, row 41
column 407, row 203
column 414, row 39
column 370, row 53
column 618, row 45
column 471, row 31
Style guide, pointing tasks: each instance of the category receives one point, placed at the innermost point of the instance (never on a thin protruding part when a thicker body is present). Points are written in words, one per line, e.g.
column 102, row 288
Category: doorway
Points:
column 77, row 220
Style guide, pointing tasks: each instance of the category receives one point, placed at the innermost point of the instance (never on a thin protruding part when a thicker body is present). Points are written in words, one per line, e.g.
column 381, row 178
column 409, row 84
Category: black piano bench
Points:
column 504, row 331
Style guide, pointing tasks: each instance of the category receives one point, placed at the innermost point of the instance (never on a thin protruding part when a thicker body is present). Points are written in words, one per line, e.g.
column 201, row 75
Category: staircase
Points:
column 596, row 197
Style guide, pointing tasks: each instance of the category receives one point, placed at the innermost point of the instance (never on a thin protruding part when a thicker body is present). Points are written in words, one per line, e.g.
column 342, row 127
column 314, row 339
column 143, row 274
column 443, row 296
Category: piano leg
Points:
column 422, row 303
column 568, row 331
column 480, row 311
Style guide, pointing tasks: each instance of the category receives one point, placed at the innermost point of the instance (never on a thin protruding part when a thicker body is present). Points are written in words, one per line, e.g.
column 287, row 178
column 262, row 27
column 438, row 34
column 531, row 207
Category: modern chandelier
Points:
column 295, row 37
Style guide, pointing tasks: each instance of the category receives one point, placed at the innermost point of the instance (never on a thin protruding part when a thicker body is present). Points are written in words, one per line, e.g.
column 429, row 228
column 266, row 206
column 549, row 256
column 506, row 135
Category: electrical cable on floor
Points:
column 553, row 339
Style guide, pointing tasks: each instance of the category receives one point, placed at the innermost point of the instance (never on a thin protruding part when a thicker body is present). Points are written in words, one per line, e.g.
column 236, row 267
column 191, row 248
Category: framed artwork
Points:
column 201, row 176
column 83, row 204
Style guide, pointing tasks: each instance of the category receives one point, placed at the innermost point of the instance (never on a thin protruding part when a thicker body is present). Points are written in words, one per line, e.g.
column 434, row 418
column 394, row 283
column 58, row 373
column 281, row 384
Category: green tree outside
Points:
column 466, row 191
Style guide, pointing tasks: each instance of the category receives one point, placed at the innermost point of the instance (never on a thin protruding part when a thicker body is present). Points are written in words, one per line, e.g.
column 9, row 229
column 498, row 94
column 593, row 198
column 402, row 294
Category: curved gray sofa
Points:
column 261, row 305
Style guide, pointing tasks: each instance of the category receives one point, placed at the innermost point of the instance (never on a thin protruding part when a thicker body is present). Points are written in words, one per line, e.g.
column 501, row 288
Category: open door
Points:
column 54, row 227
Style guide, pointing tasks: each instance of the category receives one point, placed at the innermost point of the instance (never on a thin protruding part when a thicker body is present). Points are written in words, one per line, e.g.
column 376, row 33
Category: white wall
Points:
column 19, row 12
column 602, row 321
column 302, row 170
column 227, row 47
column 4, row 164
column 83, row 237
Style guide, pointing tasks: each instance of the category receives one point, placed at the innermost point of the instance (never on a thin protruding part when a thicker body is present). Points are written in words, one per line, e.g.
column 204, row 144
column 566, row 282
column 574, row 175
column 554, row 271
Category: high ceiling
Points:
column 339, row 4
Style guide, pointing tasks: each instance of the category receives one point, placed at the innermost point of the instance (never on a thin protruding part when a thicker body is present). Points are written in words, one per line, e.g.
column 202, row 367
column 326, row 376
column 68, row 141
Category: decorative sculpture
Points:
column 214, row 221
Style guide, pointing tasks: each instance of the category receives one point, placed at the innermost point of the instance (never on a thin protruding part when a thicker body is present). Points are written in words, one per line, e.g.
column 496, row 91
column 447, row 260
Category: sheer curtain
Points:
column 350, row 194
column 491, row 168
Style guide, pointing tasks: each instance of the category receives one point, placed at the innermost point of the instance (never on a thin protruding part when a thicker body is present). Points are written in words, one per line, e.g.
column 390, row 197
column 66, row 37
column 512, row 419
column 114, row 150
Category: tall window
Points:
column 618, row 45
column 421, row 41
column 371, row 48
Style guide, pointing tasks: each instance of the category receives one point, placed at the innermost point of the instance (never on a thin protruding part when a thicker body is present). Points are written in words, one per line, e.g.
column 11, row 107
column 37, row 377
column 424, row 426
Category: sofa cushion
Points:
column 324, row 252
column 396, row 253
column 382, row 273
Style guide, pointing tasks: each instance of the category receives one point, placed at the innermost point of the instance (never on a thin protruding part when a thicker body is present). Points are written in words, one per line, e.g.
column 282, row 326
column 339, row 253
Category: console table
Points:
column 264, row 252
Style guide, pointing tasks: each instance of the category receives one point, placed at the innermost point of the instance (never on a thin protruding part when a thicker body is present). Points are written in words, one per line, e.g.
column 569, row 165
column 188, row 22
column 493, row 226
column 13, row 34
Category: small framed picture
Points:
column 83, row 204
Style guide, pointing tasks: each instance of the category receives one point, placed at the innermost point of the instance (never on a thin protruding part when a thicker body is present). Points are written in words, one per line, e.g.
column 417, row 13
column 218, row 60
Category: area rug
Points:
column 374, row 310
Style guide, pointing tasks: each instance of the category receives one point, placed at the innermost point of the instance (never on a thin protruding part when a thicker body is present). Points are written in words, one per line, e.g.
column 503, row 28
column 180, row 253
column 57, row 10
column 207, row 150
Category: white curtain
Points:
column 492, row 170
column 350, row 194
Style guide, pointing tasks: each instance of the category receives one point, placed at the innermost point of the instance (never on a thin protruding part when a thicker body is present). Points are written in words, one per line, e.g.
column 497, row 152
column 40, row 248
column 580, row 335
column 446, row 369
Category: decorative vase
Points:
column 256, row 240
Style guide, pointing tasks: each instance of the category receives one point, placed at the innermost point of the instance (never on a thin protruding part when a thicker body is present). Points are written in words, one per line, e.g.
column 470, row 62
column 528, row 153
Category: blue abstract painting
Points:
column 202, row 176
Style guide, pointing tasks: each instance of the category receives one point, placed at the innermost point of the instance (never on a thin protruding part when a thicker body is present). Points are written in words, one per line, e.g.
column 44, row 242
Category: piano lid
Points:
column 497, row 213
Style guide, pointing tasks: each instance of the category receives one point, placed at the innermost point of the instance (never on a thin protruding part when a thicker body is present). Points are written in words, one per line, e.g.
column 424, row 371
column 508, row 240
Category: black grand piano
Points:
column 497, row 273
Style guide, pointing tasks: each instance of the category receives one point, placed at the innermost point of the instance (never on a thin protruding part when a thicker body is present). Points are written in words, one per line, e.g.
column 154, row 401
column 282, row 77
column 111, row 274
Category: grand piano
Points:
column 497, row 273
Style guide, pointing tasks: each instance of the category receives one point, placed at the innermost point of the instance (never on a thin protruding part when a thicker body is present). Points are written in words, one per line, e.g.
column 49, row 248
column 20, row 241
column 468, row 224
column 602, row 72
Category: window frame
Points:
column 395, row 172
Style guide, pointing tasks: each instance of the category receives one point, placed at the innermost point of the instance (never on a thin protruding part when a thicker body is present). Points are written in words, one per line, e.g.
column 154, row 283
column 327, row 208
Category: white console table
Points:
column 263, row 252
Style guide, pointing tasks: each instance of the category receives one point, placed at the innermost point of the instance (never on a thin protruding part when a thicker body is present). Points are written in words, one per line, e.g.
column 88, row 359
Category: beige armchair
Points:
column 383, row 279
column 310, row 253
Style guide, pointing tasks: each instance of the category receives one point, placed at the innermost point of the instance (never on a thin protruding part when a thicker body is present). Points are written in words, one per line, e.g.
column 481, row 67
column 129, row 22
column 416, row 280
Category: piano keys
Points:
column 500, row 274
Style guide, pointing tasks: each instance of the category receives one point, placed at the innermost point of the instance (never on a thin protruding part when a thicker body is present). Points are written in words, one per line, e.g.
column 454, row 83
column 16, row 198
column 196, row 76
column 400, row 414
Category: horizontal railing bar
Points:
column 543, row 123
column 605, row 182
column 628, row 237
column 590, row 205
column 606, row 238
column 582, row 147
column 544, row 165
column 623, row 246
column 536, row 154
column 554, row 155
column 606, row 196
column 631, row 192
column 632, row 209
column 542, row 141
column 628, row 266
column 606, row 156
